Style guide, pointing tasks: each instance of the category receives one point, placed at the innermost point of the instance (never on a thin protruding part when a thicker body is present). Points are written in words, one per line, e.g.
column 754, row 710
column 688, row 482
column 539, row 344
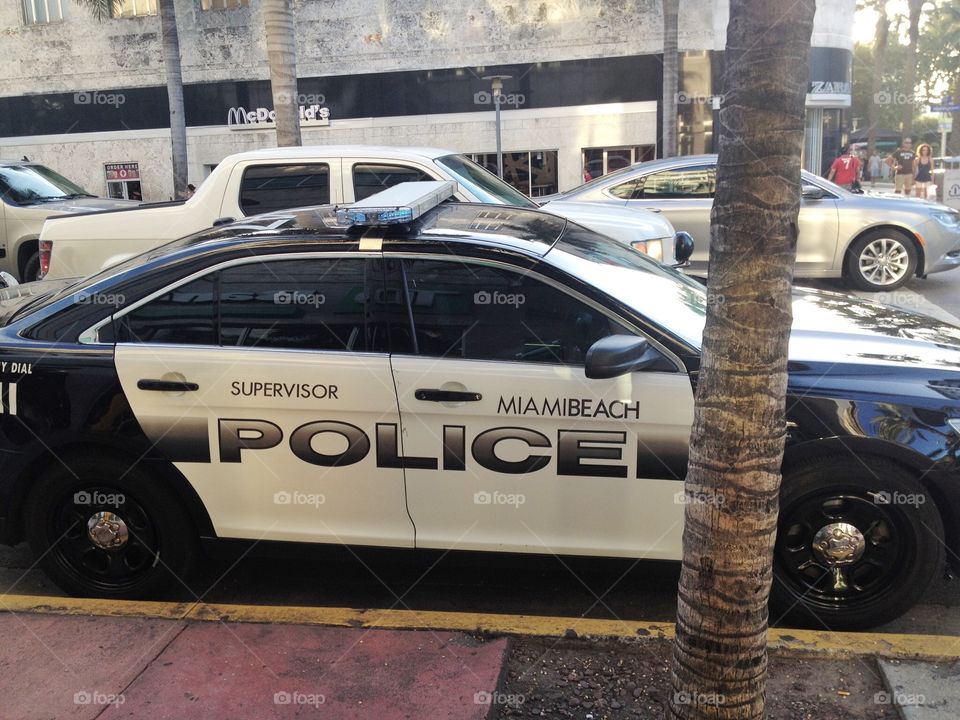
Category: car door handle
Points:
column 446, row 395
column 167, row 385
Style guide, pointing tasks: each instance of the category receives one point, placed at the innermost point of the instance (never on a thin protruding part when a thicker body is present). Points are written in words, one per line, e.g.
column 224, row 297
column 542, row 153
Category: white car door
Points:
column 266, row 384
column 507, row 445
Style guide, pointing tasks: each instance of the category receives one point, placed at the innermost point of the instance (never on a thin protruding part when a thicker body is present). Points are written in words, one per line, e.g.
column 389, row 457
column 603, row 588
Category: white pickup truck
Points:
column 261, row 181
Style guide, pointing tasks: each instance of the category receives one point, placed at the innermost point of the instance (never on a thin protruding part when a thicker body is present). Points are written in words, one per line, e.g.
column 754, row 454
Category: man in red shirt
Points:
column 845, row 170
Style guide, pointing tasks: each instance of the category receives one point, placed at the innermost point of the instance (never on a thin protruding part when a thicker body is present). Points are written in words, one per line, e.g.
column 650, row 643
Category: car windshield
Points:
column 666, row 297
column 811, row 179
column 29, row 184
column 482, row 183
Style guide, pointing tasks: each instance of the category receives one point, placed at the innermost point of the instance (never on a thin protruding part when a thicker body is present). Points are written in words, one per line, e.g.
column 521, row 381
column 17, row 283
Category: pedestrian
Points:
column 845, row 170
column 902, row 162
column 923, row 175
column 875, row 168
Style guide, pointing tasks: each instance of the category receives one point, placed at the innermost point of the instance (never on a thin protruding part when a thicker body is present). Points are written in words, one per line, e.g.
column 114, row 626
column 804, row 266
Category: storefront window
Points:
column 533, row 173
column 600, row 161
column 42, row 11
column 123, row 180
column 133, row 8
column 695, row 104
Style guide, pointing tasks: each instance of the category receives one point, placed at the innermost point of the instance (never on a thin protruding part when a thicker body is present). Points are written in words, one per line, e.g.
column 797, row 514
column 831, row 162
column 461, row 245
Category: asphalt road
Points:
column 628, row 590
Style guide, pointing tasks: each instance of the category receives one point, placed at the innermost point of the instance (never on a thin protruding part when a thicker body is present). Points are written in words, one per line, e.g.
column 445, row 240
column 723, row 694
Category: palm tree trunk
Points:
column 171, row 64
column 910, row 71
column 879, row 62
column 282, row 56
column 736, row 450
column 671, row 80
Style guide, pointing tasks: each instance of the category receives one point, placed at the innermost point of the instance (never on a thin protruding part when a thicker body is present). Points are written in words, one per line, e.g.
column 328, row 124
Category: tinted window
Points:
column 370, row 179
column 308, row 304
column 691, row 182
column 184, row 316
column 266, row 188
column 481, row 312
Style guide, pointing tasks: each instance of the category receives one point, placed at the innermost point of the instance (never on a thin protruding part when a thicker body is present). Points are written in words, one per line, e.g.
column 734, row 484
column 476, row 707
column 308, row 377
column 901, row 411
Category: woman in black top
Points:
column 923, row 170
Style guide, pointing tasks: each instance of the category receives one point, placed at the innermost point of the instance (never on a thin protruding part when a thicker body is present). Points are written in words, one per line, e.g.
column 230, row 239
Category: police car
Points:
column 412, row 373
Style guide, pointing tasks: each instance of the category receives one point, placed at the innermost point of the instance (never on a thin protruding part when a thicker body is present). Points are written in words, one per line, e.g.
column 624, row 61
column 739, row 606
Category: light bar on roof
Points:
column 399, row 204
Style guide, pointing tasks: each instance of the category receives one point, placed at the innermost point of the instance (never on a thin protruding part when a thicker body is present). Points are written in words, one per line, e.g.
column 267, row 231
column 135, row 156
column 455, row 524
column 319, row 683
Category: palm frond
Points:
column 99, row 8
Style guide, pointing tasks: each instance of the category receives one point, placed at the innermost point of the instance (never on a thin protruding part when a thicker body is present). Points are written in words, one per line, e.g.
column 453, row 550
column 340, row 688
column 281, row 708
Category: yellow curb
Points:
column 833, row 644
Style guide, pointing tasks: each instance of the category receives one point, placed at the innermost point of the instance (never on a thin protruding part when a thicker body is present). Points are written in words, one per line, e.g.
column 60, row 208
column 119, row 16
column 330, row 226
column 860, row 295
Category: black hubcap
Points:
column 842, row 579
column 104, row 537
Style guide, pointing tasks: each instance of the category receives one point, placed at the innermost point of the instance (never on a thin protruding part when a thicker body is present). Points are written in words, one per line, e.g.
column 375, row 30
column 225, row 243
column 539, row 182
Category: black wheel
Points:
column 31, row 270
column 881, row 260
column 858, row 542
column 101, row 529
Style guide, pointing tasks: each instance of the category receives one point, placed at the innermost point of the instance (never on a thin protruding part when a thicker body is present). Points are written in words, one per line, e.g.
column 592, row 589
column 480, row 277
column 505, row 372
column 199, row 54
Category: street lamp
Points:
column 497, row 81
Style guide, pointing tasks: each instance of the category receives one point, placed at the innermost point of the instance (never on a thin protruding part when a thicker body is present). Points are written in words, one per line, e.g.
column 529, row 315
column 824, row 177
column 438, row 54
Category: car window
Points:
column 30, row 184
column 689, row 182
column 265, row 188
column 630, row 190
column 302, row 304
column 369, row 179
column 481, row 312
column 183, row 316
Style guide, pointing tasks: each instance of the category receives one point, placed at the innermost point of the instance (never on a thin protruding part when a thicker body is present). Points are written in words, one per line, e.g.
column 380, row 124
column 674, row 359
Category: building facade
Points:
column 88, row 97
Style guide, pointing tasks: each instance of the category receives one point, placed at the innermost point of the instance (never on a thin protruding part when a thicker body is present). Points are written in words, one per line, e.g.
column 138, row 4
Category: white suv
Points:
column 260, row 181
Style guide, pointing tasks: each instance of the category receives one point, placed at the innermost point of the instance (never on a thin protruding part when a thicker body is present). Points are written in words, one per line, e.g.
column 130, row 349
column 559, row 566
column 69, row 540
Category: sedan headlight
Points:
column 653, row 248
column 949, row 219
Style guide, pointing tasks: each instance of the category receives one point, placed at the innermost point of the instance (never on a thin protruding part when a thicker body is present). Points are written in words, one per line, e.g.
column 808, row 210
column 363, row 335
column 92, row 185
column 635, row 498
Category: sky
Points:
column 865, row 21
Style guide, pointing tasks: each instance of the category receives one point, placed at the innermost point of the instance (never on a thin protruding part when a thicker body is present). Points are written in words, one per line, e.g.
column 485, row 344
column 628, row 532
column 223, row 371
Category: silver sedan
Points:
column 876, row 243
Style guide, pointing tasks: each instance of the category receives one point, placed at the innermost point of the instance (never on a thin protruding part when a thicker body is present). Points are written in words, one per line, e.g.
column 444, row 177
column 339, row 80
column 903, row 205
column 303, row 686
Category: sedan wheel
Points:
column 882, row 260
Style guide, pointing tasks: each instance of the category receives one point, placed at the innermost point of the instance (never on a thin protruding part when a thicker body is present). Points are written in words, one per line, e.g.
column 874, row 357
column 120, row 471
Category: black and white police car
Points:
column 415, row 374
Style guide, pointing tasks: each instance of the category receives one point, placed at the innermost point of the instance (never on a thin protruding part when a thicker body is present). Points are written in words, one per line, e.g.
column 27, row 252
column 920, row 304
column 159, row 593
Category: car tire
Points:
column 153, row 541
column 31, row 270
column 881, row 260
column 898, row 528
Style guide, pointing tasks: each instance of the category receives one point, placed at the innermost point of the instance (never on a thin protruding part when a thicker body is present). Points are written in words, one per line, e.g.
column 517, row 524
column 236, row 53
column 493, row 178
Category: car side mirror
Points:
column 617, row 355
column 812, row 192
column 7, row 280
column 682, row 248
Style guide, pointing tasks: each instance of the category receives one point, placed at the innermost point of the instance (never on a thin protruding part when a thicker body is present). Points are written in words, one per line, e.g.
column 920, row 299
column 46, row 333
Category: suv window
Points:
column 370, row 179
column 302, row 304
column 265, row 188
column 481, row 312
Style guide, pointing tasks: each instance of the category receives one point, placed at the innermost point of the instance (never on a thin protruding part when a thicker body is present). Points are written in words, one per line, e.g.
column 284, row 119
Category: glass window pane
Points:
column 629, row 190
column 304, row 304
column 516, row 170
column 592, row 163
column 184, row 316
column 266, row 188
column 371, row 179
column 618, row 158
column 480, row 312
column 543, row 169
column 693, row 182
